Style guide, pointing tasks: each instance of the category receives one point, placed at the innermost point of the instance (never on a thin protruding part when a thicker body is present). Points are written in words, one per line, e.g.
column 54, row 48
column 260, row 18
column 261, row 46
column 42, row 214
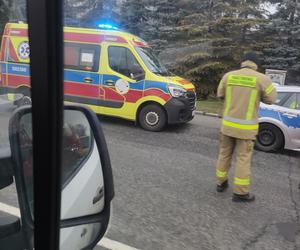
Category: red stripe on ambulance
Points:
column 87, row 90
column 133, row 96
column 92, row 38
column 12, row 53
column 157, row 92
column 111, row 94
column 18, row 81
column 16, row 32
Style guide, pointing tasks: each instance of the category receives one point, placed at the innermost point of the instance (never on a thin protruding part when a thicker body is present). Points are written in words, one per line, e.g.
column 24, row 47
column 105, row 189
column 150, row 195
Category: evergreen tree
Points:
column 134, row 16
column 3, row 15
column 88, row 13
column 283, row 32
column 229, row 29
column 152, row 20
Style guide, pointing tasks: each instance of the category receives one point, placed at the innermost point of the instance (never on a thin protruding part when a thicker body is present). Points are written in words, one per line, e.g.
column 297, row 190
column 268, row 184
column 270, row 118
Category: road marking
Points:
column 9, row 209
column 105, row 242
column 114, row 245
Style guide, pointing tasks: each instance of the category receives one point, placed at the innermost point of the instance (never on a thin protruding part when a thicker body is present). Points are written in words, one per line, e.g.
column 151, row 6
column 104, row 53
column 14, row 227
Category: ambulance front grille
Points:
column 192, row 99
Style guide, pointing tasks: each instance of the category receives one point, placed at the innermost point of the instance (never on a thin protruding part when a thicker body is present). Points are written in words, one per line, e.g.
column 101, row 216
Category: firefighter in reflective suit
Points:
column 242, row 90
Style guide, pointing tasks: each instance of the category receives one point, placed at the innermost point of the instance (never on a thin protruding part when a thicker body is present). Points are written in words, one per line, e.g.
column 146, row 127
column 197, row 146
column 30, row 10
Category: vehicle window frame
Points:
column 298, row 100
column 45, row 32
column 127, row 50
column 140, row 52
column 96, row 60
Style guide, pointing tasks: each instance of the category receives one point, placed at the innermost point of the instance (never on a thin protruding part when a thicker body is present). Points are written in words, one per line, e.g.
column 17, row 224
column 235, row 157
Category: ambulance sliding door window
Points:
column 81, row 56
column 123, row 61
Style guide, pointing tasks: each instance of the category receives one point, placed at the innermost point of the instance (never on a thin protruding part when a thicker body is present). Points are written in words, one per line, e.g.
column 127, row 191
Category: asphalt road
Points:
column 166, row 199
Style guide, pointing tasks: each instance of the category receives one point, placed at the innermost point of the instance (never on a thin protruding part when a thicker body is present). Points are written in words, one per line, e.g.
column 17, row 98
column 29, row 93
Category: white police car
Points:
column 279, row 124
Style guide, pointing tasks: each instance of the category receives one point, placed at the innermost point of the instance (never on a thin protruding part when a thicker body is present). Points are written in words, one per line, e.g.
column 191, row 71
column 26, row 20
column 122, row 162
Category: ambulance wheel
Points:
column 152, row 118
column 269, row 138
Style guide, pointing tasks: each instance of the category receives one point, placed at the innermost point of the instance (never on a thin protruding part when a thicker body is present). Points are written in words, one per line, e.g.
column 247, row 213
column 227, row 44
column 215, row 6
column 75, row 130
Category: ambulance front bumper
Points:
column 182, row 109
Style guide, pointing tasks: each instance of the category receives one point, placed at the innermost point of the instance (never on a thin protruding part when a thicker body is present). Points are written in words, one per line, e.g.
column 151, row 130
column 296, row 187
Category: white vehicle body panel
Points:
column 286, row 119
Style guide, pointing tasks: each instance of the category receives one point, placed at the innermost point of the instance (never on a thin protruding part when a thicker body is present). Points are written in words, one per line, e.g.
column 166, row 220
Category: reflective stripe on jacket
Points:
column 243, row 90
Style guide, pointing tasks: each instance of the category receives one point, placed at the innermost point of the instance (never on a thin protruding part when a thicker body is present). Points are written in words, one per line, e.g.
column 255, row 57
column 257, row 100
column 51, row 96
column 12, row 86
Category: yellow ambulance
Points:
column 113, row 72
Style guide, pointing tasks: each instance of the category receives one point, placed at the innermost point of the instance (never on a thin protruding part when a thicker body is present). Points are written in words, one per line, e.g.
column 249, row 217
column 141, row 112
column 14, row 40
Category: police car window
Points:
column 281, row 96
column 291, row 102
column 123, row 61
column 81, row 56
column 298, row 101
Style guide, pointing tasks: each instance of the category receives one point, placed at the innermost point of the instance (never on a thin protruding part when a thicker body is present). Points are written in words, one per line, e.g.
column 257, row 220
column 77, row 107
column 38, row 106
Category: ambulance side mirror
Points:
column 87, row 183
column 137, row 76
column 137, row 73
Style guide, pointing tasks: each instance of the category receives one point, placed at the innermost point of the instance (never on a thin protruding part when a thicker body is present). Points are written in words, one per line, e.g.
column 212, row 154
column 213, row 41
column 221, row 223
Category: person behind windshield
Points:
column 243, row 91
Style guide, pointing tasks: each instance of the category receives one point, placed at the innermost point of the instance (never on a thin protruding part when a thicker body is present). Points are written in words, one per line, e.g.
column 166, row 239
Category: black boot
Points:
column 221, row 188
column 243, row 197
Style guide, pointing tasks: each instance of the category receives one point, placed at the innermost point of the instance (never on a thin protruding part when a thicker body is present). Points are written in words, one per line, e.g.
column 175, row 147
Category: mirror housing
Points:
column 96, row 222
column 6, row 181
column 9, row 225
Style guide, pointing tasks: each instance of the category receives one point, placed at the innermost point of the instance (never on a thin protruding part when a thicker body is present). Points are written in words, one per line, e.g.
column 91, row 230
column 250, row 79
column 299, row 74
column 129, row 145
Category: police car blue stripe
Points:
column 293, row 122
column 269, row 113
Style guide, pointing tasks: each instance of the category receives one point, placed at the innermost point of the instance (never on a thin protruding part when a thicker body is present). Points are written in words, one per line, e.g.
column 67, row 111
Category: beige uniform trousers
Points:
column 243, row 150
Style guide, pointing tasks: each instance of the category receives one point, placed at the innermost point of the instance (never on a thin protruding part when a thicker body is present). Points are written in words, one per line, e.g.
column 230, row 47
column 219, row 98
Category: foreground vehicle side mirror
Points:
column 87, row 182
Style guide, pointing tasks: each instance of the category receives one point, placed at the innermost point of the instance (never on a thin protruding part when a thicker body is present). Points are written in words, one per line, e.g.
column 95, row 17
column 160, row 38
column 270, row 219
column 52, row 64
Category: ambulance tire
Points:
column 152, row 117
column 269, row 138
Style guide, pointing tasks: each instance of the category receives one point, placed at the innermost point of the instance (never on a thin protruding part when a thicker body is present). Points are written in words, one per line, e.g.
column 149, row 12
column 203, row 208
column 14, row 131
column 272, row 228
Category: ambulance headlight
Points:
column 177, row 91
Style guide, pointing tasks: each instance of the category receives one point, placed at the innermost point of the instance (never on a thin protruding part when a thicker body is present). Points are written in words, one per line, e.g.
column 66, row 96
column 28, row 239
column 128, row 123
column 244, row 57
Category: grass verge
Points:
column 210, row 106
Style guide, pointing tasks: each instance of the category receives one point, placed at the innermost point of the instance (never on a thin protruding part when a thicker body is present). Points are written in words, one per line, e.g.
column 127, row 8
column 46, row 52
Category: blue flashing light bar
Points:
column 107, row 27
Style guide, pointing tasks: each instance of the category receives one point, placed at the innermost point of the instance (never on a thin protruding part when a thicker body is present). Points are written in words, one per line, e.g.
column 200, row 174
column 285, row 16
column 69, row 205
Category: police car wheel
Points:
column 153, row 118
column 269, row 138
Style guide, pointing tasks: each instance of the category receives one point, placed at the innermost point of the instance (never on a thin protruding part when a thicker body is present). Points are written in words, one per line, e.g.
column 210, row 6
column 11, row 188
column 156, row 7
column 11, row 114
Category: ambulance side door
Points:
column 81, row 74
column 119, row 82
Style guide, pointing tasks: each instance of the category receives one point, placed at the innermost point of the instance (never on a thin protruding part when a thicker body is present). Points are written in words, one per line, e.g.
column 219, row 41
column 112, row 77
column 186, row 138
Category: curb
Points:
column 208, row 114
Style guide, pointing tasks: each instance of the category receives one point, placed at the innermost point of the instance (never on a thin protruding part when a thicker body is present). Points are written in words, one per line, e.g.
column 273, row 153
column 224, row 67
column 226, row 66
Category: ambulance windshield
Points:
column 152, row 62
